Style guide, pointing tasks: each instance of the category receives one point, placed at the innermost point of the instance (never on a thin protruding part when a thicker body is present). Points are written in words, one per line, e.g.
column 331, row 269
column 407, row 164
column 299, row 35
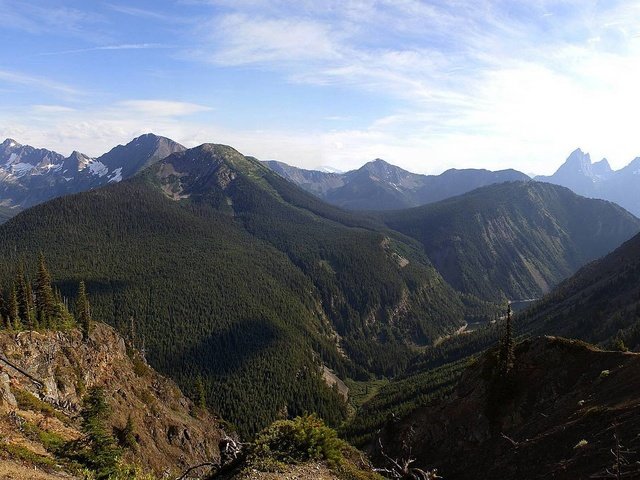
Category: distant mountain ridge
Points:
column 599, row 180
column 514, row 240
column 379, row 185
column 29, row 175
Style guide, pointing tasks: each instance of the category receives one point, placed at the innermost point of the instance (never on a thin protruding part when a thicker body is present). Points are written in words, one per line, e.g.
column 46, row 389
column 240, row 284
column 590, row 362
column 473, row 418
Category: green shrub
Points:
column 28, row 401
column 24, row 454
column 294, row 441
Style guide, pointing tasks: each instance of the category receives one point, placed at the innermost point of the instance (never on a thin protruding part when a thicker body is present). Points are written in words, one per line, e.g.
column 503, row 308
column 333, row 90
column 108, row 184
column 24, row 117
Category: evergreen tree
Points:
column 23, row 293
column 45, row 300
column 14, row 310
column 201, row 398
column 507, row 347
column 102, row 455
column 83, row 311
column 128, row 435
column 4, row 313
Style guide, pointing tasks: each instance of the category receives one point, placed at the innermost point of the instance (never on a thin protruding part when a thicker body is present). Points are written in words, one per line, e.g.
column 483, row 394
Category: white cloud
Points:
column 475, row 83
column 52, row 109
column 162, row 108
column 39, row 83
column 245, row 40
column 124, row 46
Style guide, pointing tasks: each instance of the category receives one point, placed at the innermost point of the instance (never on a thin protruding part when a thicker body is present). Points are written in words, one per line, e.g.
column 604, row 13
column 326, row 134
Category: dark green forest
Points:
column 249, row 284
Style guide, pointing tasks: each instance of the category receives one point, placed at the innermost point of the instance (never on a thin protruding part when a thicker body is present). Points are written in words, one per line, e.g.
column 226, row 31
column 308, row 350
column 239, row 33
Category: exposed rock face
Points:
column 29, row 176
column 558, row 423
column 171, row 433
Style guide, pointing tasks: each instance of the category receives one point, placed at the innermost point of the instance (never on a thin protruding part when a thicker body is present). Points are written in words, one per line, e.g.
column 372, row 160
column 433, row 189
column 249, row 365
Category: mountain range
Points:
column 598, row 180
column 29, row 175
column 235, row 275
column 261, row 297
column 378, row 185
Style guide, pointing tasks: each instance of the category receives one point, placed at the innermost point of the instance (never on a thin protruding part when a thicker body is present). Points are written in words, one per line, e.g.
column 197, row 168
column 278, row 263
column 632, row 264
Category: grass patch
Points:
column 361, row 392
column 51, row 441
column 28, row 401
column 21, row 453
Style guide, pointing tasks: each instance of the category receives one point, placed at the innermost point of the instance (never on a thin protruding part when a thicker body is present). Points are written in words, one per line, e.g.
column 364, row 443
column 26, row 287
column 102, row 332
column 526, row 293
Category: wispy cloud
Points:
column 38, row 83
column 473, row 81
column 434, row 84
column 148, row 14
column 163, row 108
column 124, row 46
column 52, row 109
column 41, row 19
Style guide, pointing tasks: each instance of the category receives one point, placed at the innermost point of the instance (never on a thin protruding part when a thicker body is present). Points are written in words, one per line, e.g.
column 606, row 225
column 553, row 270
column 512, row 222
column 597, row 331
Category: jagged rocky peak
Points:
column 633, row 167
column 577, row 162
column 10, row 143
column 602, row 168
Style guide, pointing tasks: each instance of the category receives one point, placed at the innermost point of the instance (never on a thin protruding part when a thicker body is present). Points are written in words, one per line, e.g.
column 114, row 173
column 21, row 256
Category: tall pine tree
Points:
column 23, row 292
column 83, row 311
column 507, row 347
column 45, row 301
column 14, row 310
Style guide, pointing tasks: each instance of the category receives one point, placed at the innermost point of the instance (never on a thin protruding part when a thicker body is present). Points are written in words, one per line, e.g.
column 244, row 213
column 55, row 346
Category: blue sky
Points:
column 427, row 85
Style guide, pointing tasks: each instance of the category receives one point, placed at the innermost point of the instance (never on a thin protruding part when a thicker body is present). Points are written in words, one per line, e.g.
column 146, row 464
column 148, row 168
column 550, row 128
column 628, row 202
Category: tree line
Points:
column 37, row 305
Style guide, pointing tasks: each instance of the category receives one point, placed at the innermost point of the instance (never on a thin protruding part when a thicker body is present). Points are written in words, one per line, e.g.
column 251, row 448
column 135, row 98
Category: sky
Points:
column 426, row 85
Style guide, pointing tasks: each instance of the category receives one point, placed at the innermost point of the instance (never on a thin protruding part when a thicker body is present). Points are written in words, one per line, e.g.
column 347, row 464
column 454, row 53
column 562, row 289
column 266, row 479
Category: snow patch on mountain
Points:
column 98, row 168
column 21, row 169
column 116, row 176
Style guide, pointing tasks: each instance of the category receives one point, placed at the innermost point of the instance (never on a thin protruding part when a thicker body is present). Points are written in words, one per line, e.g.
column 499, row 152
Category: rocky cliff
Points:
column 39, row 405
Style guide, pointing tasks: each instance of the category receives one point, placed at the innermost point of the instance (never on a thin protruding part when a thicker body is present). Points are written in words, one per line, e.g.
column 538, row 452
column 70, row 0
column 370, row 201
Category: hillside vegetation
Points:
column 514, row 240
column 231, row 274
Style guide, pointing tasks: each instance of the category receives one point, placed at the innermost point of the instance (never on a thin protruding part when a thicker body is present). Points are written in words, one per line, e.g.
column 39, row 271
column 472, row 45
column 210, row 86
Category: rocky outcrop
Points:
column 171, row 433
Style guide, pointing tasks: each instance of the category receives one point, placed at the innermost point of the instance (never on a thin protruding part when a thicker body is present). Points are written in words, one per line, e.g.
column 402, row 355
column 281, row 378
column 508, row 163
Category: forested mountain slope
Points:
column 514, row 240
column 600, row 303
column 233, row 274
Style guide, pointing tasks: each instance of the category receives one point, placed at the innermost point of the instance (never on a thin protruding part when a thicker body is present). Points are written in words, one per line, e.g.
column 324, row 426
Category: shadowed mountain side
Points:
column 514, row 240
column 558, row 422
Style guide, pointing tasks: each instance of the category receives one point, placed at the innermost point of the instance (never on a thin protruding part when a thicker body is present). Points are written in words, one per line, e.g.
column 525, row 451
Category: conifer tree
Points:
column 128, row 435
column 45, row 301
column 4, row 313
column 14, row 310
column 24, row 302
column 200, row 395
column 62, row 316
column 103, row 453
column 83, row 311
column 507, row 347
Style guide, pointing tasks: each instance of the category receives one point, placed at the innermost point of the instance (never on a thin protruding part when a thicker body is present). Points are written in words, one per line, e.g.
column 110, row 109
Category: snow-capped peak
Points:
column 10, row 143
